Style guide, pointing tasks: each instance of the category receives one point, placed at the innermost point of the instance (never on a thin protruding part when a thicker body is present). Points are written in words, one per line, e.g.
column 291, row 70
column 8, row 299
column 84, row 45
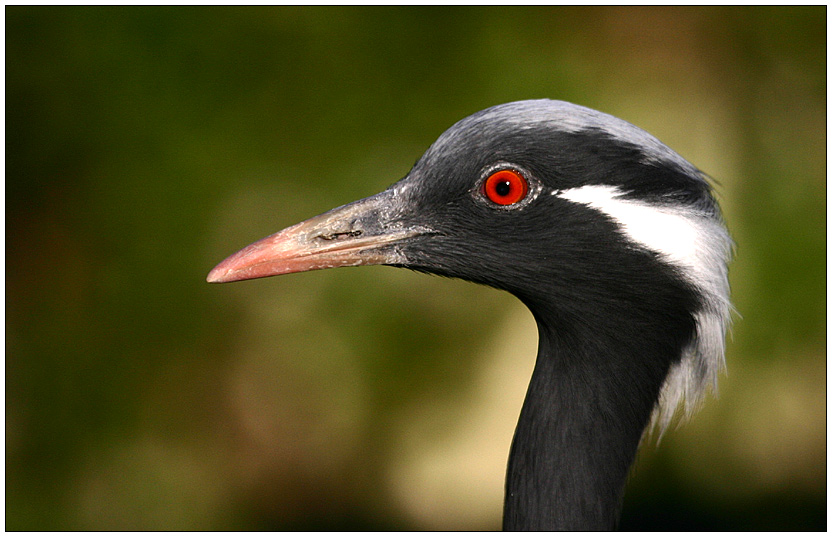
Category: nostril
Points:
column 340, row 235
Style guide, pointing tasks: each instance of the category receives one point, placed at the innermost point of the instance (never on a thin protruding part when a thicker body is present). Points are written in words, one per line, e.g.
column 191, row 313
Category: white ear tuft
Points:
column 698, row 245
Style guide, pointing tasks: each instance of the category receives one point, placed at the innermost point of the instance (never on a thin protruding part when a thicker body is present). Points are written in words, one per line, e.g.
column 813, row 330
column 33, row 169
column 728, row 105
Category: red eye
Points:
column 506, row 187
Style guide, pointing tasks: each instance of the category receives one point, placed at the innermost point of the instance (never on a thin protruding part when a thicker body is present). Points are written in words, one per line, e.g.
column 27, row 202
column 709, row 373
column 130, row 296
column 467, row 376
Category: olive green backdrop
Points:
column 145, row 144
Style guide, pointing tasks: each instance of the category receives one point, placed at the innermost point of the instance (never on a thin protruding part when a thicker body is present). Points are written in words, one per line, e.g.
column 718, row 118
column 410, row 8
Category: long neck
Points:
column 587, row 405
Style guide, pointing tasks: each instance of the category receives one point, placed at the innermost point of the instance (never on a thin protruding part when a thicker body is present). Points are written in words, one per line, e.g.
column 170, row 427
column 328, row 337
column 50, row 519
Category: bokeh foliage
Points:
column 145, row 144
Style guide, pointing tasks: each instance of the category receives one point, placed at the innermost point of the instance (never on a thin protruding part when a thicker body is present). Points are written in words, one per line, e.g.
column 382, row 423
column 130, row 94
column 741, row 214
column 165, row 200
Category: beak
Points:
column 365, row 232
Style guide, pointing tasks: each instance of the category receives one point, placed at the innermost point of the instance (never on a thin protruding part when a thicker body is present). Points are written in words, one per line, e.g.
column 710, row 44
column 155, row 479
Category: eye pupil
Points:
column 505, row 187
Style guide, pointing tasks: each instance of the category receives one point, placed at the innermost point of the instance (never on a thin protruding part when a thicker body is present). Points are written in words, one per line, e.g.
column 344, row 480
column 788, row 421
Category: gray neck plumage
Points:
column 583, row 417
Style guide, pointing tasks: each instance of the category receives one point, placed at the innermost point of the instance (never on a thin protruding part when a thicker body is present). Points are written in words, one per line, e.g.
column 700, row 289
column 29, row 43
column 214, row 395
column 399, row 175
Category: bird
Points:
column 614, row 242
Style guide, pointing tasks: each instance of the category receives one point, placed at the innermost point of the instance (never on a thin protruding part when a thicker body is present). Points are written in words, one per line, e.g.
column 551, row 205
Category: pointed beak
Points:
column 365, row 232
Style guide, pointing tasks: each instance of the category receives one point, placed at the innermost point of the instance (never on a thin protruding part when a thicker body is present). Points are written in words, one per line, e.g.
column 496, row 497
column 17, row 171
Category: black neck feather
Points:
column 588, row 403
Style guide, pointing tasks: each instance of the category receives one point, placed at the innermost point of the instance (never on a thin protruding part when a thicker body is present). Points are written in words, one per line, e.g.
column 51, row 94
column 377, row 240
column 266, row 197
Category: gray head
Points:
column 611, row 234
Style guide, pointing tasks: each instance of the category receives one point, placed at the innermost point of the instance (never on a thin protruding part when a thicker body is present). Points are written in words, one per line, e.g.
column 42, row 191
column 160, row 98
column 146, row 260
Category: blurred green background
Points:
column 143, row 145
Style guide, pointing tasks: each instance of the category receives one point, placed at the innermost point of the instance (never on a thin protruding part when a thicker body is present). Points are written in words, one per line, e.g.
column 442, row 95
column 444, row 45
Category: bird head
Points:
column 583, row 216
